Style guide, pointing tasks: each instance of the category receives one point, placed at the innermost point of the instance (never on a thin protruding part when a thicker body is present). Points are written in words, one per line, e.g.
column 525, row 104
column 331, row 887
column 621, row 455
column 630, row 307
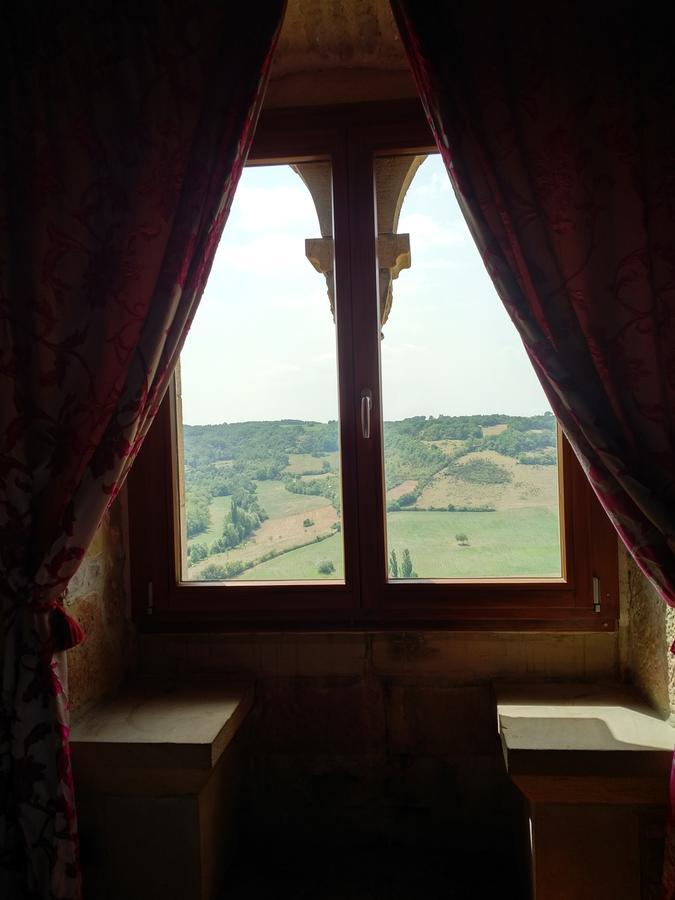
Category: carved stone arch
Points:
column 393, row 176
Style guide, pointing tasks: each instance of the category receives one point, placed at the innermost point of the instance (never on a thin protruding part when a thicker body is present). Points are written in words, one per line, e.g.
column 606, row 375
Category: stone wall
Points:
column 98, row 598
column 647, row 633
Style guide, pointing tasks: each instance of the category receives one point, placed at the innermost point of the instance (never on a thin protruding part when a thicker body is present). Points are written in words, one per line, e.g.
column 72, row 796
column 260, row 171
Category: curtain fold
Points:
column 555, row 122
column 124, row 130
column 556, row 125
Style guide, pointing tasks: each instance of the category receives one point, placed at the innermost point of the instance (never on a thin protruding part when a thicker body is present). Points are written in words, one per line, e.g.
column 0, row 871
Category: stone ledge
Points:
column 573, row 743
column 156, row 738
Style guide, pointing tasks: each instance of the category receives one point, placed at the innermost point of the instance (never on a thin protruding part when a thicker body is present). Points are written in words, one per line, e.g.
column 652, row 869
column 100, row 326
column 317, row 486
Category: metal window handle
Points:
column 366, row 407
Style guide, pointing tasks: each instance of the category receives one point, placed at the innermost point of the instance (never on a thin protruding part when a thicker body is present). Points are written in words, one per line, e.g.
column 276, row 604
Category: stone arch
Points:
column 393, row 176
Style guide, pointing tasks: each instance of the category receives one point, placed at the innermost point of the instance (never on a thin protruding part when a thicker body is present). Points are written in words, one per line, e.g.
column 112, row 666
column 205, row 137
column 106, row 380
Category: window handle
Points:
column 366, row 407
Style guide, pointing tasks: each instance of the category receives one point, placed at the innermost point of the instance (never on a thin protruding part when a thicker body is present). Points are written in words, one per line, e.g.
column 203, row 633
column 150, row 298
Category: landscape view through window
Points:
column 470, row 444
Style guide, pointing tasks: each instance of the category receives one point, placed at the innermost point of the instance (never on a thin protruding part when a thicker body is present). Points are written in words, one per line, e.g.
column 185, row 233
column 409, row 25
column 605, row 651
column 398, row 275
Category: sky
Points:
column 262, row 345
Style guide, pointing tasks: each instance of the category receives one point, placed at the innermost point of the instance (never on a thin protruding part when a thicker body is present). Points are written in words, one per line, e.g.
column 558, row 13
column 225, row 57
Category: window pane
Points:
column 261, row 474
column 470, row 442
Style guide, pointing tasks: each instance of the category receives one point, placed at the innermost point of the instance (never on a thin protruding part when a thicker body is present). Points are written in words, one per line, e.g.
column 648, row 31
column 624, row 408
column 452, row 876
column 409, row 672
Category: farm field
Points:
column 305, row 463
column 278, row 502
column 528, row 486
column 502, row 544
column 467, row 497
column 277, row 535
column 301, row 564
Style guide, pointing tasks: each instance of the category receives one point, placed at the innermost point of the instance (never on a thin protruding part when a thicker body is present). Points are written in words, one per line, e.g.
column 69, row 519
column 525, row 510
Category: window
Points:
column 355, row 437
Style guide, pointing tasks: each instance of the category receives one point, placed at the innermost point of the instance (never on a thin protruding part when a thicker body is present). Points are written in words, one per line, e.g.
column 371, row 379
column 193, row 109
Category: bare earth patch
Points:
column 404, row 488
column 492, row 430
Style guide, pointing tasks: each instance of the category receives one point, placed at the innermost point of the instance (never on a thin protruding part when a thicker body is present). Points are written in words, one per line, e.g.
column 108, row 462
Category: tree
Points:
column 213, row 572
column 196, row 552
column 307, row 523
column 407, row 570
column 462, row 539
column 326, row 566
column 393, row 565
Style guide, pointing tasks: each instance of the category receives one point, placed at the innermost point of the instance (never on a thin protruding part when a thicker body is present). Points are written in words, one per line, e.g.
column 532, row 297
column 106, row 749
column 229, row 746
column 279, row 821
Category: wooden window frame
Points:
column 350, row 136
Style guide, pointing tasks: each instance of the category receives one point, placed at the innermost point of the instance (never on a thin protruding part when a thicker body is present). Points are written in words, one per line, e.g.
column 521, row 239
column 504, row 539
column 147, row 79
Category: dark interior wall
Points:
column 387, row 739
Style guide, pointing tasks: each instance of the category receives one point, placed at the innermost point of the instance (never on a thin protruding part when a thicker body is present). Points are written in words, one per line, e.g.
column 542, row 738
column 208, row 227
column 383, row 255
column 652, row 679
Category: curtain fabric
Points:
column 124, row 130
column 556, row 124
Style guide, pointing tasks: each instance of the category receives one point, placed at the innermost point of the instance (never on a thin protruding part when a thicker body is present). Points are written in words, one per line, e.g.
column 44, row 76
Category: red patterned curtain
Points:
column 556, row 122
column 123, row 131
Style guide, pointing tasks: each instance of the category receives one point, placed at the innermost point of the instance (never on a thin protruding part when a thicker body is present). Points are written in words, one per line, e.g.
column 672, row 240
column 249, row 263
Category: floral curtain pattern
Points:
column 555, row 122
column 124, row 130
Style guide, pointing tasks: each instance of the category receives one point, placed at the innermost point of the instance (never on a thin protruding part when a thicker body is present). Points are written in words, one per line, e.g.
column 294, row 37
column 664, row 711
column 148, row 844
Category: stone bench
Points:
column 157, row 780
column 589, row 760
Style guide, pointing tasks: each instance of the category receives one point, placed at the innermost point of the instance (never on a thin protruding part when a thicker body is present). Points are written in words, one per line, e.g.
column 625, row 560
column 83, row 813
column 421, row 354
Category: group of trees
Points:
column 480, row 471
column 408, row 457
column 244, row 517
column 405, row 568
column 327, row 486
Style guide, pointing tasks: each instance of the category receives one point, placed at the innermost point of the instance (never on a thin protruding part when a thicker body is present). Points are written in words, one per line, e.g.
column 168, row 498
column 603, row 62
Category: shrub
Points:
column 325, row 567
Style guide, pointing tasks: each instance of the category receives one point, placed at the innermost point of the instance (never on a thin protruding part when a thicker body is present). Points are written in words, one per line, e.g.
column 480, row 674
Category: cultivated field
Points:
column 301, row 564
column 509, row 527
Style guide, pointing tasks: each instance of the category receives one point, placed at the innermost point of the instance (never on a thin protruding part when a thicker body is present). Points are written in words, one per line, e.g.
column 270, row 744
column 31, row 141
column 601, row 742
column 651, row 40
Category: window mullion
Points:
column 345, row 328
column 364, row 293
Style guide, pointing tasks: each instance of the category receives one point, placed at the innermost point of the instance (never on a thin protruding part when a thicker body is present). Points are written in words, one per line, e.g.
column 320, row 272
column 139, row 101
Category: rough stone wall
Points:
column 648, row 631
column 97, row 597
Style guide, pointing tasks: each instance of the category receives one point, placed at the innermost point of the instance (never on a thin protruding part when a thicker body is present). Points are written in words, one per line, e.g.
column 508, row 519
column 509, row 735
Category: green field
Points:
column 219, row 507
column 301, row 564
column 515, row 542
column 278, row 502
column 301, row 463
column 521, row 542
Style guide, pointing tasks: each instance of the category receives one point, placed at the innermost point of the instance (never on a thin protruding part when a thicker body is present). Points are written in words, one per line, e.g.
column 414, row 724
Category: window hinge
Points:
column 596, row 594
column 148, row 608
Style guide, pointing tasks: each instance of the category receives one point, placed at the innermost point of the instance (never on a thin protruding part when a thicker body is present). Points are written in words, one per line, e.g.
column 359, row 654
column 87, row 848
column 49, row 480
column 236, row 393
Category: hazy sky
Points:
column 262, row 345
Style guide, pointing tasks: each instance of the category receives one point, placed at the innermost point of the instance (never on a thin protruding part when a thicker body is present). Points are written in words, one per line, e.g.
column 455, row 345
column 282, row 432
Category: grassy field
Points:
column 299, row 463
column 522, row 542
column 219, row 507
column 300, row 564
column 517, row 542
column 278, row 502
